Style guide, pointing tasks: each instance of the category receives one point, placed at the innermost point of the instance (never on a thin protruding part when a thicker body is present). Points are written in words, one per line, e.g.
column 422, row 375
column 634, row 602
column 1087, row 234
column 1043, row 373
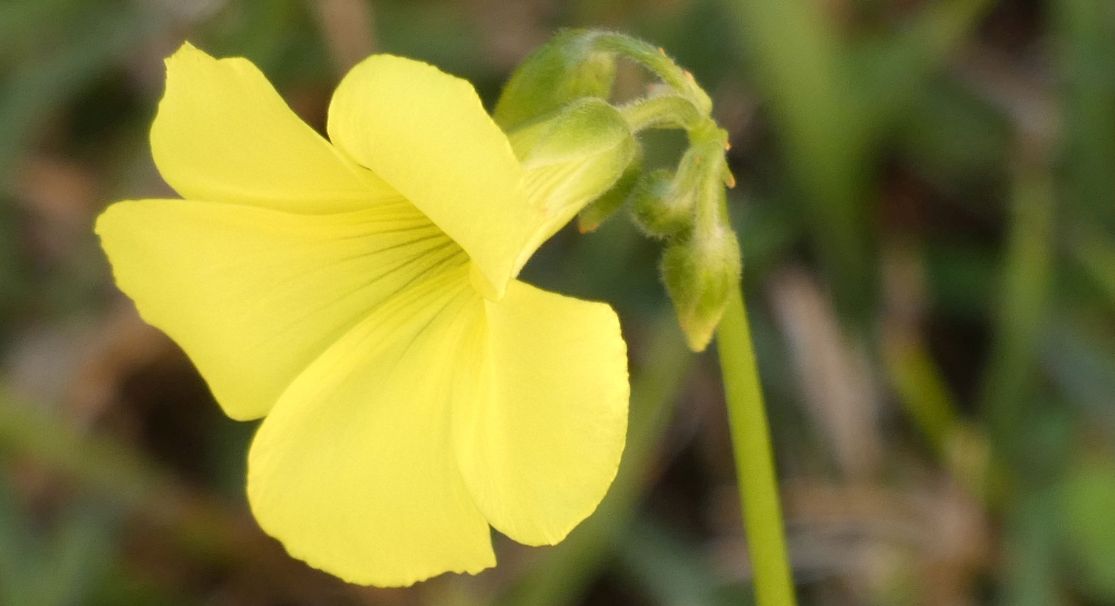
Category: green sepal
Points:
column 659, row 207
column 572, row 157
column 568, row 67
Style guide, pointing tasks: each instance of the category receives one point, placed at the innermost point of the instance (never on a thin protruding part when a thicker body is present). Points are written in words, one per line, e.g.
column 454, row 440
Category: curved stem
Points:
column 662, row 111
column 762, row 515
column 653, row 60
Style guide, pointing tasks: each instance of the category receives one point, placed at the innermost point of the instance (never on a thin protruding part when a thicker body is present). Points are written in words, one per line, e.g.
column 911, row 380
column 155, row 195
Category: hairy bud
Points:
column 570, row 158
column 699, row 274
column 567, row 68
column 660, row 208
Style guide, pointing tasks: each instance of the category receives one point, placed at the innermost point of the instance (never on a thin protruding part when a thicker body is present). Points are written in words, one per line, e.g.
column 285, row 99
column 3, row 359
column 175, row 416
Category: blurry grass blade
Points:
column 896, row 69
column 834, row 373
column 78, row 555
column 1081, row 362
column 1029, row 549
column 15, row 547
column 953, row 137
column 24, row 25
column 1095, row 252
column 97, row 462
column 669, row 569
column 200, row 526
column 824, row 133
column 768, row 231
column 275, row 35
column 51, row 566
column 1087, row 501
column 921, row 388
column 1022, row 304
column 1085, row 48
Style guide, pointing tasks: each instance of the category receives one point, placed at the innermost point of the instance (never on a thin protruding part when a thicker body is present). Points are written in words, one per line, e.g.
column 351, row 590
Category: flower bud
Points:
column 571, row 158
column 606, row 205
column 567, row 68
column 658, row 207
column 699, row 273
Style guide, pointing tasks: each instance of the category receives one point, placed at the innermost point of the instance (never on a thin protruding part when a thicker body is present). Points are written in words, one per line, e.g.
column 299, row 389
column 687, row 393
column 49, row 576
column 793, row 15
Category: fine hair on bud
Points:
column 565, row 69
column 658, row 207
column 699, row 273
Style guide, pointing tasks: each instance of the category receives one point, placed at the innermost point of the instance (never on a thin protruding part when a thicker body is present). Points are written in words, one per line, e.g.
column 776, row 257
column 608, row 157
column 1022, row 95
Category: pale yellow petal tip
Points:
column 101, row 225
column 188, row 63
column 396, row 68
column 368, row 577
column 111, row 218
column 389, row 61
column 360, row 572
column 186, row 52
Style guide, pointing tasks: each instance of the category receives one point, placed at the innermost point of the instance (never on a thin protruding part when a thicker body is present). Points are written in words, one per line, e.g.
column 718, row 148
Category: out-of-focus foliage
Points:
column 926, row 204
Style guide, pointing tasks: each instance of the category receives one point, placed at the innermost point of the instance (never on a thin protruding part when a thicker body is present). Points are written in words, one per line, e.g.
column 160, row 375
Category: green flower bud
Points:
column 658, row 207
column 567, row 68
column 662, row 205
column 699, row 273
column 571, row 158
column 606, row 205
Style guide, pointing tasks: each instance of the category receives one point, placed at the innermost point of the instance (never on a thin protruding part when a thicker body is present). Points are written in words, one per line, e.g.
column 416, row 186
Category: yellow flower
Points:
column 360, row 295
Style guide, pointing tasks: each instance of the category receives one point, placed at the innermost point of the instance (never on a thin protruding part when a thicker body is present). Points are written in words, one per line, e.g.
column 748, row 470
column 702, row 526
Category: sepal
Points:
column 571, row 158
column 567, row 68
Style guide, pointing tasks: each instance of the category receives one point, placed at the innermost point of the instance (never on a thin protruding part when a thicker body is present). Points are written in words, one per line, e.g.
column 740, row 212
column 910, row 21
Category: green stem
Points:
column 762, row 516
column 655, row 61
column 1021, row 316
column 663, row 111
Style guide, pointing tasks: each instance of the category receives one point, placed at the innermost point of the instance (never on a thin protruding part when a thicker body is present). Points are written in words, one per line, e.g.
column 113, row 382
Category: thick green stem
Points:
column 758, row 488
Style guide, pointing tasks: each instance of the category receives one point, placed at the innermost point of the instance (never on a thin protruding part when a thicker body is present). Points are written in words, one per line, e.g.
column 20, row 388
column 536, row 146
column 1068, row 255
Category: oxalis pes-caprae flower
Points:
column 359, row 295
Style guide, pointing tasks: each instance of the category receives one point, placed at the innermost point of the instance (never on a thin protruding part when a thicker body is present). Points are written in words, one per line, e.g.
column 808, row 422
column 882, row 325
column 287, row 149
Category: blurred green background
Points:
column 925, row 203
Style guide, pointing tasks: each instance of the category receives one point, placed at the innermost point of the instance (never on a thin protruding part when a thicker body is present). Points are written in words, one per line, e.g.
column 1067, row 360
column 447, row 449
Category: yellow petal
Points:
column 353, row 470
column 539, row 452
column 427, row 134
column 222, row 133
column 254, row 295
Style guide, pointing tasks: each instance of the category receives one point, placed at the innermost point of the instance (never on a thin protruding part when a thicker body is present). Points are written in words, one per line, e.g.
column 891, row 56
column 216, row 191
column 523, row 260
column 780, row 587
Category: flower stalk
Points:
column 701, row 269
column 758, row 487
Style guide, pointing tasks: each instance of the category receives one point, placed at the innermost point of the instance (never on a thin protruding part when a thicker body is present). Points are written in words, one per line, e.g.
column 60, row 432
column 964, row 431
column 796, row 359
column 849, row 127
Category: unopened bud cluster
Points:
column 701, row 260
column 582, row 159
